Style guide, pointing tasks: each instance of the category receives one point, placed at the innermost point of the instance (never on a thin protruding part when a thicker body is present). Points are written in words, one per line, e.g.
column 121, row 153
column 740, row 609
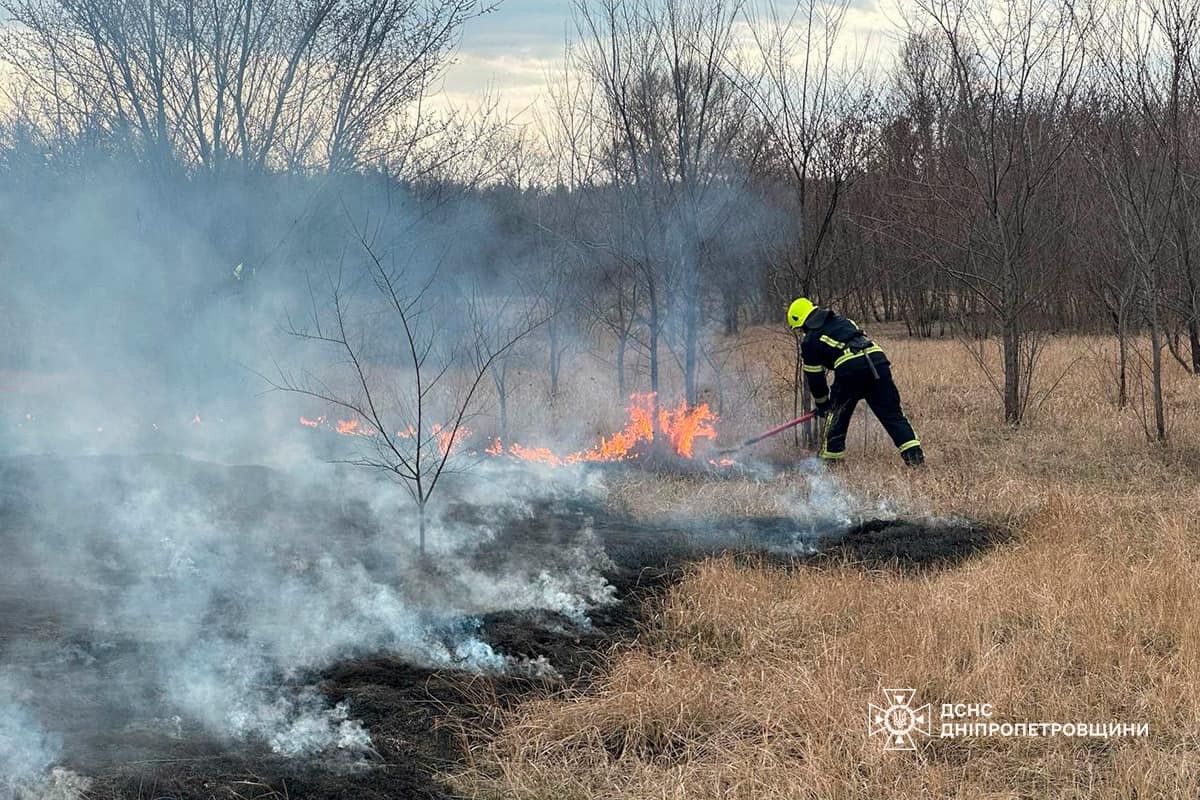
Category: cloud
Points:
column 530, row 28
column 510, row 51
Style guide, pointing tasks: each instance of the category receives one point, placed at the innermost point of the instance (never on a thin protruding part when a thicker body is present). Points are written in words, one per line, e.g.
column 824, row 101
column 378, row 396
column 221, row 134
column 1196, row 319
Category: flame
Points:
column 680, row 426
column 449, row 440
column 538, row 455
column 353, row 428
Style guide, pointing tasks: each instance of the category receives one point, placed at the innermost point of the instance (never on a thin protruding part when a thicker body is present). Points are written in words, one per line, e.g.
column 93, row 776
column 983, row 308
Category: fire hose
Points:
column 768, row 434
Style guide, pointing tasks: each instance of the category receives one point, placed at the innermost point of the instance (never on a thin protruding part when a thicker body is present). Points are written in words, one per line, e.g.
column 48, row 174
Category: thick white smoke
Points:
column 27, row 751
column 187, row 596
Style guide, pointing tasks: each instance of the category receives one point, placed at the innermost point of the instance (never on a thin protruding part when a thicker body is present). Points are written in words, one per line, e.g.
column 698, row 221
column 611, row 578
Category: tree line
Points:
column 1003, row 173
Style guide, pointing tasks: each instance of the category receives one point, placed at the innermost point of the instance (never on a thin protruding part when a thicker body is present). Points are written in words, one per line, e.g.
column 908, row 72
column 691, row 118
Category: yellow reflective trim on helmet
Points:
column 813, row 368
column 848, row 356
column 910, row 445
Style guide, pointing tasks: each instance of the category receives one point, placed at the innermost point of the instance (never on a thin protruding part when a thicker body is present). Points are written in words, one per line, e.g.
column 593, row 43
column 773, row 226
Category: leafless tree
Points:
column 408, row 381
column 1146, row 64
column 815, row 105
column 1017, row 71
column 329, row 83
column 671, row 116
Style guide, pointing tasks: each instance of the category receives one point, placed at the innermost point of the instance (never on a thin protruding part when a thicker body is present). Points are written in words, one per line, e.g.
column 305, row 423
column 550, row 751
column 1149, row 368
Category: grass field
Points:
column 753, row 682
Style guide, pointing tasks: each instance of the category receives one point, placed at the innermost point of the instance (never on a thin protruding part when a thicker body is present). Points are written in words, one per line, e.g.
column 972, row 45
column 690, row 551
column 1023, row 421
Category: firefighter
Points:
column 861, row 372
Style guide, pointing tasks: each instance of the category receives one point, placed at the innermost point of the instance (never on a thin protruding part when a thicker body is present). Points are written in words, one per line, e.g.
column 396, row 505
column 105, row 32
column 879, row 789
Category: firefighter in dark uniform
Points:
column 861, row 372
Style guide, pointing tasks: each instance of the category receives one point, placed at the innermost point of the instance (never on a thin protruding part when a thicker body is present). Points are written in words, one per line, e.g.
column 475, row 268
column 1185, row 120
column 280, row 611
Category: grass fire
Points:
column 675, row 429
column 748, row 399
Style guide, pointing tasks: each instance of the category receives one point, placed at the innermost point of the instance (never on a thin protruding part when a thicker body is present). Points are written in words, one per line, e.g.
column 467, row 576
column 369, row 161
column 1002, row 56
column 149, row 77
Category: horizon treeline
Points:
column 1004, row 173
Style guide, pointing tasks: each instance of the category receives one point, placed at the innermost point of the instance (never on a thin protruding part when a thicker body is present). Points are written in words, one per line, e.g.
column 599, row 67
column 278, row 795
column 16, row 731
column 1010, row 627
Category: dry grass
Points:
column 754, row 682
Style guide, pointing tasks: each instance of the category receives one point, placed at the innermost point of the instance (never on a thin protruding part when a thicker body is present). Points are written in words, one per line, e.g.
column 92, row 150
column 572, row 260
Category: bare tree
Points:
column 672, row 117
column 815, row 110
column 260, row 84
column 408, row 381
column 1016, row 73
column 1146, row 65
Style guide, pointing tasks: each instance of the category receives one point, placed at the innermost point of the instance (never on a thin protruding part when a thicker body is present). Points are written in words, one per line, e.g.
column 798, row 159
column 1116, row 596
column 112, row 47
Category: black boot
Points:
column 913, row 456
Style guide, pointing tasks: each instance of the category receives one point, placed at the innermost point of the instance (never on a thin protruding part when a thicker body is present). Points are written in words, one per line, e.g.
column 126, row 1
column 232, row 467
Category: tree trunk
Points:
column 503, row 395
column 1012, row 372
column 1011, row 337
column 622, row 346
column 652, row 338
column 1194, row 340
column 500, row 380
column 1123, row 359
column 691, row 337
column 731, row 312
column 554, row 359
column 421, row 526
column 1156, row 345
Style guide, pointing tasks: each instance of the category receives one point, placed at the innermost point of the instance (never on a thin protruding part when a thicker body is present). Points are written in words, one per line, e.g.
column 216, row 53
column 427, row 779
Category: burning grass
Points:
column 750, row 678
column 752, row 681
column 652, row 433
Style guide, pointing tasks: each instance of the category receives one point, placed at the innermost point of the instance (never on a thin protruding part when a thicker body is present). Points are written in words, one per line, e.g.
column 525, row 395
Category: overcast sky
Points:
column 511, row 49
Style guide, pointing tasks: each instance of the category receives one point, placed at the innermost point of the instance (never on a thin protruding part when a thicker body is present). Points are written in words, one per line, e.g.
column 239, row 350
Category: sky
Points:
column 510, row 51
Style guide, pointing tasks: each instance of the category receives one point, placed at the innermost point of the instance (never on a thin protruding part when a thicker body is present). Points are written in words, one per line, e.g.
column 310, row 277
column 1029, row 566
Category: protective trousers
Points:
column 854, row 381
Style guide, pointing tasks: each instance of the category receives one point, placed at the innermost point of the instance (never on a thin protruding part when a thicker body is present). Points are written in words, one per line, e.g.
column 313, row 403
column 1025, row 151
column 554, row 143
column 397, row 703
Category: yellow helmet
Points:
column 799, row 310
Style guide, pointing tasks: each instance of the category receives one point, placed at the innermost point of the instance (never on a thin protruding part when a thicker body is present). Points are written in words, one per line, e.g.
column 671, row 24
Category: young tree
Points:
column 408, row 380
column 1142, row 138
column 1016, row 70
column 815, row 111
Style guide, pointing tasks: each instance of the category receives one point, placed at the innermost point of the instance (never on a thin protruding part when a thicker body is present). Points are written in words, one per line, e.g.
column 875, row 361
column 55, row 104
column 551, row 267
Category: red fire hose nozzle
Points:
column 768, row 434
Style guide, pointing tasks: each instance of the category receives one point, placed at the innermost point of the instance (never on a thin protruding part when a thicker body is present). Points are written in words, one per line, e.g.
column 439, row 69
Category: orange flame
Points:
column 353, row 427
column 681, row 426
column 449, row 440
column 538, row 455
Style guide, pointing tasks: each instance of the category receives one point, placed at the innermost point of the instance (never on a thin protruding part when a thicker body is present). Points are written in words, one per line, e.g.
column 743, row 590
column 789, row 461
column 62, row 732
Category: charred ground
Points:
column 413, row 714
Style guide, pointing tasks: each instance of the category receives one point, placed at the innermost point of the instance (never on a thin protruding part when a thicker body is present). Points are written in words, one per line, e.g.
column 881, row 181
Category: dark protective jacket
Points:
column 833, row 342
column 862, row 372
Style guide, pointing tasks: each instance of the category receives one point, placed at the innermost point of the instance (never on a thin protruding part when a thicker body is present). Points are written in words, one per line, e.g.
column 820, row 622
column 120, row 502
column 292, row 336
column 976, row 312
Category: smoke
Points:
column 152, row 597
column 828, row 506
column 26, row 750
column 179, row 599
